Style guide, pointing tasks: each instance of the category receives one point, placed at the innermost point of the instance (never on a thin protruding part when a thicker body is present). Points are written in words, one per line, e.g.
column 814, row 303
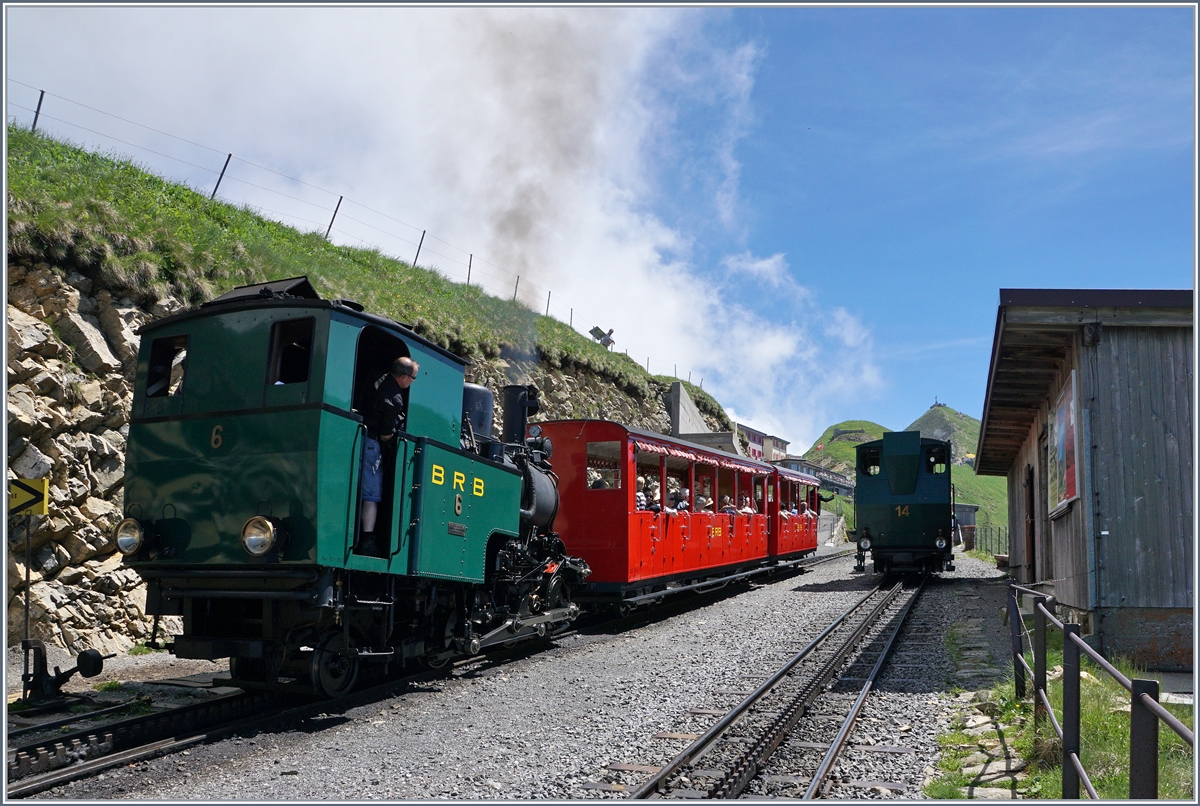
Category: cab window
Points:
column 869, row 462
column 291, row 351
column 168, row 360
column 936, row 459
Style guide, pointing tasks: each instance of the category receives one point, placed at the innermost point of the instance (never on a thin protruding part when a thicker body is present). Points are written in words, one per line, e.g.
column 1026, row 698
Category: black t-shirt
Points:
column 388, row 413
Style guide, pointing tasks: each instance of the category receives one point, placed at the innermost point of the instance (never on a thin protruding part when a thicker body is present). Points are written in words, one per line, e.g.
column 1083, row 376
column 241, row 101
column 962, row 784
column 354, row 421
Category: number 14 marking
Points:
column 902, row 512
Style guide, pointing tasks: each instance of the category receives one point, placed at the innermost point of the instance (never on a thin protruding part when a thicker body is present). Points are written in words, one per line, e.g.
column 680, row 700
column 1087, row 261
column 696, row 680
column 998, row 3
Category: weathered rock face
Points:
column 72, row 354
column 71, row 359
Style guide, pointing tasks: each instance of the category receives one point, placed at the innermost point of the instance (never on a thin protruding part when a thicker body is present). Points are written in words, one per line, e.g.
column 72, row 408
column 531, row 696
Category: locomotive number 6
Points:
column 216, row 440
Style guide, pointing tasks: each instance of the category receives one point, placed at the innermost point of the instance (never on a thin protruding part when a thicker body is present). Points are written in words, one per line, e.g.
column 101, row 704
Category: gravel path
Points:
column 545, row 725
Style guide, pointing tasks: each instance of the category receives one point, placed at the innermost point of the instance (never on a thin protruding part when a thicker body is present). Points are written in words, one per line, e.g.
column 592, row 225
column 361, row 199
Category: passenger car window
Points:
column 603, row 465
column 869, row 463
column 168, row 360
column 291, row 351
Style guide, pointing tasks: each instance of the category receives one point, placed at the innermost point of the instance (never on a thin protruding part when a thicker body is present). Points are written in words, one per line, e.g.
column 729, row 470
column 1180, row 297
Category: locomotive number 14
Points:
column 902, row 512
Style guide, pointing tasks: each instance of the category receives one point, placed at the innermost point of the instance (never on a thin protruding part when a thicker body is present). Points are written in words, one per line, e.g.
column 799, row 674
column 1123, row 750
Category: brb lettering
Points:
column 457, row 482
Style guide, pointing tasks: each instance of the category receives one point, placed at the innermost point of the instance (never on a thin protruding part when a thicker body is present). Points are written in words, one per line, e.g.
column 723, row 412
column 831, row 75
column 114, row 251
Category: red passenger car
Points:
column 637, row 554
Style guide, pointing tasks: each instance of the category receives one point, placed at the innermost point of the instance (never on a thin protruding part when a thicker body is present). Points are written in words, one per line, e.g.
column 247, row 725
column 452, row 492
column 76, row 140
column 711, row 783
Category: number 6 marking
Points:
column 216, row 436
column 457, row 504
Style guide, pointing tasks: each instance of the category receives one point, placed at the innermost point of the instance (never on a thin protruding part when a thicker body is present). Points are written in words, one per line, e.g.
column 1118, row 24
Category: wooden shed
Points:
column 1089, row 414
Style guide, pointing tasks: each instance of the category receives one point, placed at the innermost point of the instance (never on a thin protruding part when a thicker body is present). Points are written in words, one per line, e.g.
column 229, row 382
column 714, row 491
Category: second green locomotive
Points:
column 242, row 496
column 903, row 503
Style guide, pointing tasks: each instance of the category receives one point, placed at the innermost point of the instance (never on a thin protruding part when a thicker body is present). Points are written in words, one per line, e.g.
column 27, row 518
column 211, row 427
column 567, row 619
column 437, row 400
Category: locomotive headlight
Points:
column 865, row 543
column 129, row 536
column 940, row 543
column 258, row 536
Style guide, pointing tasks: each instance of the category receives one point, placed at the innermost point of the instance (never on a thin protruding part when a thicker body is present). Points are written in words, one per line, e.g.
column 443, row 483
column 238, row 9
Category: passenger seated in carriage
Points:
column 727, row 505
column 678, row 501
column 747, row 507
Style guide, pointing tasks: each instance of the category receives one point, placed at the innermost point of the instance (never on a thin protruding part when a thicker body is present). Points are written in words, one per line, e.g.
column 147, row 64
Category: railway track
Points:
column 44, row 764
column 734, row 751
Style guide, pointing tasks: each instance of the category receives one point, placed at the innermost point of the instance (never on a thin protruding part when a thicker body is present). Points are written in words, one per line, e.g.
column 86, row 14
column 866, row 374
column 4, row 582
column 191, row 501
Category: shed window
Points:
column 168, row 360
column 604, row 465
column 869, row 462
column 291, row 351
column 935, row 459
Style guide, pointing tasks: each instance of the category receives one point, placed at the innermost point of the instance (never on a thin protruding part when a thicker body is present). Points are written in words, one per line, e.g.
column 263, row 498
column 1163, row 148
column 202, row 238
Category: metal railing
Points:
column 991, row 539
column 1145, row 712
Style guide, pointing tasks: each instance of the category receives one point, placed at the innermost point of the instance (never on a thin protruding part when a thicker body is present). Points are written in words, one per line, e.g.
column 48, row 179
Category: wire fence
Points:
column 293, row 202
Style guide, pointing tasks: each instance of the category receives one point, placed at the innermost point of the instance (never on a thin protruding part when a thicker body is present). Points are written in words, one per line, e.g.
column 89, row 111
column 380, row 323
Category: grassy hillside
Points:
column 149, row 237
column 943, row 422
column 837, row 453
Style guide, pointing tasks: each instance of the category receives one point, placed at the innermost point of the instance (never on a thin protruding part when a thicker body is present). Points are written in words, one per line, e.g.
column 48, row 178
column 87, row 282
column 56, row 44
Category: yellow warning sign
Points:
column 28, row 496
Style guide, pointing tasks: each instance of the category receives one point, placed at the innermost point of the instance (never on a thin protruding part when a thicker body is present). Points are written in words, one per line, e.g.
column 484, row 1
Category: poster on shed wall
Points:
column 1062, row 480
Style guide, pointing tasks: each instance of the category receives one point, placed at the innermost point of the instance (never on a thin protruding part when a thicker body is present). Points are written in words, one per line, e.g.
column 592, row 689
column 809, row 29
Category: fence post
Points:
column 37, row 112
column 1014, row 623
column 334, row 217
column 1039, row 660
column 547, row 303
column 1143, row 743
column 420, row 243
column 1070, row 723
column 470, row 260
column 571, row 324
column 516, row 285
column 222, row 176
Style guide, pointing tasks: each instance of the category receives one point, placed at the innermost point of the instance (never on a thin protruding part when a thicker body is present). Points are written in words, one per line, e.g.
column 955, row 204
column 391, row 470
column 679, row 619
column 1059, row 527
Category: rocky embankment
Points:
column 72, row 348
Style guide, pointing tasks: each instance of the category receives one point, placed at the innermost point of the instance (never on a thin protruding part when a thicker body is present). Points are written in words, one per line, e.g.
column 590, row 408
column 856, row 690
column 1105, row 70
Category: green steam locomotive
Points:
column 243, row 501
column 903, row 503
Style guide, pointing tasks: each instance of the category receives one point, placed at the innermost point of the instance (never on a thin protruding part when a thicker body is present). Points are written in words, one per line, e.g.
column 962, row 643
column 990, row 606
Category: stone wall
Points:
column 72, row 350
column 71, row 355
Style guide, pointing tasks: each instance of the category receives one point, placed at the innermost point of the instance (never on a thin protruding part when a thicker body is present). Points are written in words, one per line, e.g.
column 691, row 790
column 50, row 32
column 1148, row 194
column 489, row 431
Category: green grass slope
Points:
column 837, row 453
column 144, row 236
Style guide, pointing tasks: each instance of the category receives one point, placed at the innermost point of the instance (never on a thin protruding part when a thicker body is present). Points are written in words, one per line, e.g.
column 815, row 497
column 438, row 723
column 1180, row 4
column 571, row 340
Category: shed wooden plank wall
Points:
column 1143, row 469
column 1060, row 544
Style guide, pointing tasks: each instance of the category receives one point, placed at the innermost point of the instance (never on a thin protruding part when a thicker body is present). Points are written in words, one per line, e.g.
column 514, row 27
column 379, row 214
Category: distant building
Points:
column 774, row 448
column 831, row 482
column 755, row 438
column 1088, row 412
column 764, row 446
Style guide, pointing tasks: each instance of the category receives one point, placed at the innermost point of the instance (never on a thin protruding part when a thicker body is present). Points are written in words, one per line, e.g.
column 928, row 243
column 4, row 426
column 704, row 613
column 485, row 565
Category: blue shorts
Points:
column 372, row 471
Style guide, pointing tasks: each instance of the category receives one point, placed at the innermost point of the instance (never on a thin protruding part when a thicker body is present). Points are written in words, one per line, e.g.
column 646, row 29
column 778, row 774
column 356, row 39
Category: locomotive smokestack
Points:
column 519, row 403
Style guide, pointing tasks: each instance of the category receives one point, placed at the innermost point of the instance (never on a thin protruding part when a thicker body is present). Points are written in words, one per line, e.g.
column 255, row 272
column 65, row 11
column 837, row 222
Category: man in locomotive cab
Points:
column 387, row 416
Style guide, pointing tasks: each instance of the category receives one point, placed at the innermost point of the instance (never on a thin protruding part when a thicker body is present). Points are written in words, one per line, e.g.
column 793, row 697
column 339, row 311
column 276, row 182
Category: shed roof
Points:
column 1035, row 329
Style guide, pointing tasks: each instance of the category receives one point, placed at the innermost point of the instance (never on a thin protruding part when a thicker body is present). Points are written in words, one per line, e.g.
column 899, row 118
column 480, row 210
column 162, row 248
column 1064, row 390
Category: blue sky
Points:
column 811, row 208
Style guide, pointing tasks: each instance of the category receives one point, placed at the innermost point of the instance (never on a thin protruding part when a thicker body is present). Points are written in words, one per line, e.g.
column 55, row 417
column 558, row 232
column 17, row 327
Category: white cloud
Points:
column 529, row 138
column 771, row 270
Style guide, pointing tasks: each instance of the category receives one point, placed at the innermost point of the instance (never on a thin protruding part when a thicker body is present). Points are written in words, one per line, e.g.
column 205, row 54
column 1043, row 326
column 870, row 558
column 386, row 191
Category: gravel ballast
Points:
column 543, row 726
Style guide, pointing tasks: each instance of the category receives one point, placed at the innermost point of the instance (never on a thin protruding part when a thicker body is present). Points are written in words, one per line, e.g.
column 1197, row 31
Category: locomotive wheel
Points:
column 334, row 671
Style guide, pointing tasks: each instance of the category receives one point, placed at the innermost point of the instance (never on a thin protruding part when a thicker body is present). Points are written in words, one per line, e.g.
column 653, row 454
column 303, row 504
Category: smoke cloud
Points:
column 534, row 142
